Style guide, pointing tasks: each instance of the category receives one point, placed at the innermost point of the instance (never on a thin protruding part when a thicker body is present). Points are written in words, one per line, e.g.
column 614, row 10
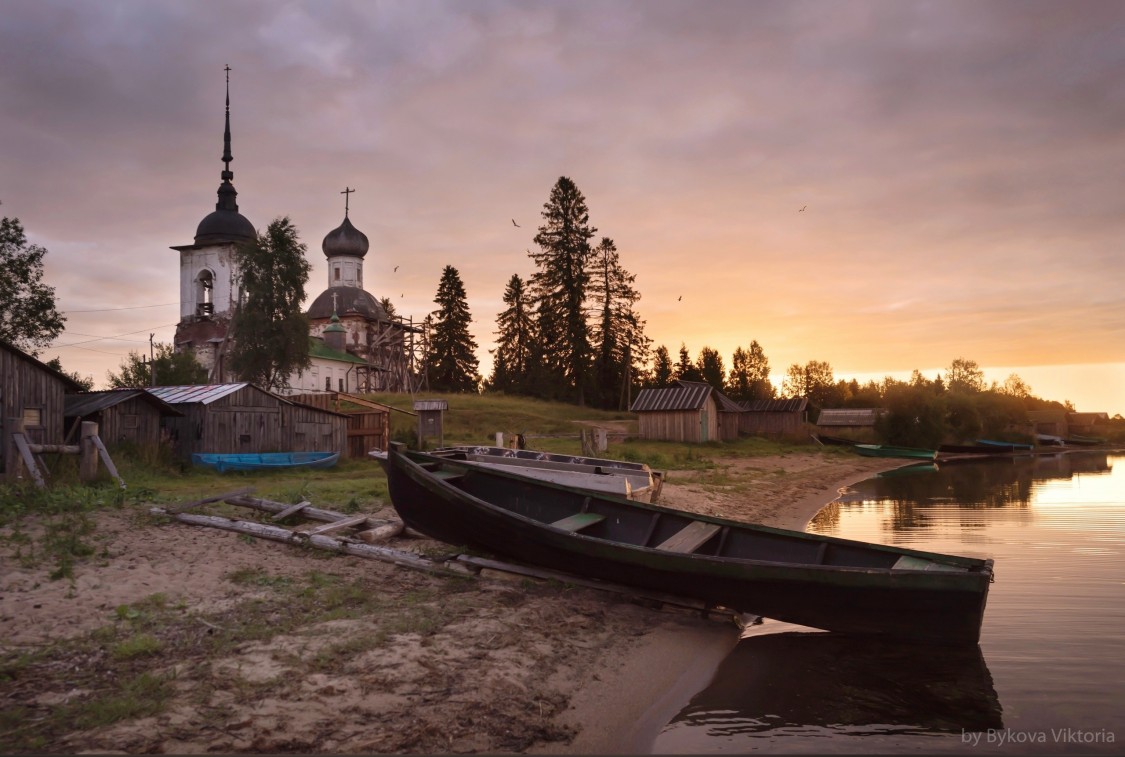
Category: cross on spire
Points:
column 227, row 157
column 334, row 303
column 347, row 196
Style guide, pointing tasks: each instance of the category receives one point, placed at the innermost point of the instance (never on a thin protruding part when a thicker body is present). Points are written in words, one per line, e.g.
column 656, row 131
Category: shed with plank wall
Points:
column 233, row 418
column 689, row 412
column 32, row 392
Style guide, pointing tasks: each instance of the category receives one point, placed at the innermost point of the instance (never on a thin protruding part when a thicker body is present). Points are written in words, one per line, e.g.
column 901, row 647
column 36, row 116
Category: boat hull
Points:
column 943, row 605
column 906, row 453
column 265, row 460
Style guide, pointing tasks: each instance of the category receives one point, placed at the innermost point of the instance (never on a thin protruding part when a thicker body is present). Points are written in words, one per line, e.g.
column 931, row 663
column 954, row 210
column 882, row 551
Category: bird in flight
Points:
column 395, row 270
column 802, row 210
column 680, row 298
column 516, row 224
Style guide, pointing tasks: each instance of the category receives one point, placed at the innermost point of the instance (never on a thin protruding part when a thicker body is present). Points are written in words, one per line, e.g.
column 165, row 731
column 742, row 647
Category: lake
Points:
column 1048, row 676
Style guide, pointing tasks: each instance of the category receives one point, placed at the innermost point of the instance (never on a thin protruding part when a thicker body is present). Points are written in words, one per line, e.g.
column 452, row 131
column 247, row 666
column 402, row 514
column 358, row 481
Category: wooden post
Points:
column 88, row 463
column 11, row 454
column 499, row 438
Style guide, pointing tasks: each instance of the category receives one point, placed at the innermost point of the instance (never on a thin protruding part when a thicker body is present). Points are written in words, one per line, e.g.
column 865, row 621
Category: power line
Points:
column 135, row 307
column 106, row 338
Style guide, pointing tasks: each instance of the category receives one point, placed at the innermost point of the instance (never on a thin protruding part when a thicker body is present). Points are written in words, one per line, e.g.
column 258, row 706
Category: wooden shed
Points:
column 774, row 418
column 431, row 415
column 124, row 416
column 856, row 423
column 228, row 418
column 369, row 427
column 33, row 394
column 1049, row 422
column 691, row 411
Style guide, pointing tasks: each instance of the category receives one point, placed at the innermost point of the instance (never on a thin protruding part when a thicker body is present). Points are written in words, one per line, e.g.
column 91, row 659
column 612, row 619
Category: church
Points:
column 355, row 345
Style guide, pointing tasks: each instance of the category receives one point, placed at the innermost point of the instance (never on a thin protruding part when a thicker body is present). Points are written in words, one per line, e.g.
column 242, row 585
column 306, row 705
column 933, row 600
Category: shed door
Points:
column 703, row 426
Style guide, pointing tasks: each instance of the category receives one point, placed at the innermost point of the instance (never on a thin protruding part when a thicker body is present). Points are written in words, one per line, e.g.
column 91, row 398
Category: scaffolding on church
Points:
column 396, row 357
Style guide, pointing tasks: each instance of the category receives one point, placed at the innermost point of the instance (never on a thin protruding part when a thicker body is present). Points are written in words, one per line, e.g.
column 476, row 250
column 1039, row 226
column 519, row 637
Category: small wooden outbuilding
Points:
column 1049, row 422
column 691, row 411
column 124, row 416
column 856, row 423
column 228, row 418
column 32, row 394
column 774, row 418
column 431, row 415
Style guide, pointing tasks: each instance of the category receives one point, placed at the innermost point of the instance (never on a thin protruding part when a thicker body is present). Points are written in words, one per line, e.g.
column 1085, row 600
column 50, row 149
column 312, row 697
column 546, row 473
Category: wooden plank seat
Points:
column 448, row 475
column 578, row 521
column 690, row 538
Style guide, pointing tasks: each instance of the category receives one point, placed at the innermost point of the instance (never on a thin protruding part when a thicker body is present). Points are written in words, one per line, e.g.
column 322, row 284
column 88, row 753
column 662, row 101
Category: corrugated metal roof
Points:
column 88, row 403
column 204, row 393
column 689, row 395
column 849, row 416
column 431, row 405
column 790, row 405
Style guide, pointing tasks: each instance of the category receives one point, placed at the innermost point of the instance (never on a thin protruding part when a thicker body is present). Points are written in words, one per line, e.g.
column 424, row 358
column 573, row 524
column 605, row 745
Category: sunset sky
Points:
column 883, row 186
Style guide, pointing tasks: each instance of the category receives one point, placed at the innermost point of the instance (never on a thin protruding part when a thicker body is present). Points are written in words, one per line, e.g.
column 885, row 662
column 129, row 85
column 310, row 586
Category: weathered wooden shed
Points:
column 1050, row 422
column 691, row 411
column 31, row 393
column 1087, row 424
column 774, row 418
column 856, row 423
column 369, row 427
column 124, row 416
column 241, row 417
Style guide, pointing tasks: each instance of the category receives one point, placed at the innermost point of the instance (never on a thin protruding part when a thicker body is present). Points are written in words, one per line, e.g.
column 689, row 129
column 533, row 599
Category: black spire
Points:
column 227, row 193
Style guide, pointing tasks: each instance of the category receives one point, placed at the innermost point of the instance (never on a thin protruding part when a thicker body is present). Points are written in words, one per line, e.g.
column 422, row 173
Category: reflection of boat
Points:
column 887, row 450
column 621, row 477
column 980, row 449
column 1018, row 446
column 814, row 580
column 776, row 684
column 265, row 460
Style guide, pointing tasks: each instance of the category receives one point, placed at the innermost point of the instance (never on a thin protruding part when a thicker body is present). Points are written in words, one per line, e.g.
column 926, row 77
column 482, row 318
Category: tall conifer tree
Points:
column 617, row 331
column 513, row 340
column 453, row 361
column 559, row 291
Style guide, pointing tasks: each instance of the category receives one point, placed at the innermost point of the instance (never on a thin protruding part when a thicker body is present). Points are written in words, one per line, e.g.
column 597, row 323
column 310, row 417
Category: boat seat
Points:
column 689, row 538
column 907, row 562
column 578, row 521
column 448, row 475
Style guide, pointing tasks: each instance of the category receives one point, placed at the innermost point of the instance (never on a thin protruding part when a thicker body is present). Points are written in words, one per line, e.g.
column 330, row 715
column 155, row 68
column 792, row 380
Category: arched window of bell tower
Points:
column 205, row 293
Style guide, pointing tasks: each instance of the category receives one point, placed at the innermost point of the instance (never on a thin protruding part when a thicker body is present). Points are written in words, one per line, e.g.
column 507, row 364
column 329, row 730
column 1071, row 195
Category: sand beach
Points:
column 252, row 646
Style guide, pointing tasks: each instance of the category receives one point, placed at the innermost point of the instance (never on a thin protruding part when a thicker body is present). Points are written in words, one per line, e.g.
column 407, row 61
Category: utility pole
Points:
column 151, row 362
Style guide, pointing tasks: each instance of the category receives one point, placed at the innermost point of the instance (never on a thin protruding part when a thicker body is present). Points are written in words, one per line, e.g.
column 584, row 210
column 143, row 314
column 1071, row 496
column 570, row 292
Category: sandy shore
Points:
column 261, row 647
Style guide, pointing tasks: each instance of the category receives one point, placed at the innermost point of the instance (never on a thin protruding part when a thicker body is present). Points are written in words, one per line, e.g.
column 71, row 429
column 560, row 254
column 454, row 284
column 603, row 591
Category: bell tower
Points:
column 208, row 269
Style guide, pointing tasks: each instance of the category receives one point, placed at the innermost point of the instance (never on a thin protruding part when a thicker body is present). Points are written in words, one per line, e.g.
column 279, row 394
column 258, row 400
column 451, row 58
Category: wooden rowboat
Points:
column 886, row 450
column 819, row 581
column 621, row 477
column 223, row 462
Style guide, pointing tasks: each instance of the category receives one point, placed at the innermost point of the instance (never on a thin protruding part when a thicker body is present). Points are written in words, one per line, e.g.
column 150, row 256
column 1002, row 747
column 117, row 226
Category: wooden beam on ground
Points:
column 290, row 510
column 284, row 535
column 175, row 509
column 357, row 400
column 338, row 525
column 308, row 511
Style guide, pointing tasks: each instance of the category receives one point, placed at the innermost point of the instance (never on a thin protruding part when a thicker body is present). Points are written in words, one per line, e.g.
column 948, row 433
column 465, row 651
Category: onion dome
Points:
column 345, row 239
column 226, row 224
column 349, row 301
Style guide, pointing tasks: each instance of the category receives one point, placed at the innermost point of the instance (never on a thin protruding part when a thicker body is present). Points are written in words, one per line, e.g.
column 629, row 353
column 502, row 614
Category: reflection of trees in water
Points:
column 979, row 485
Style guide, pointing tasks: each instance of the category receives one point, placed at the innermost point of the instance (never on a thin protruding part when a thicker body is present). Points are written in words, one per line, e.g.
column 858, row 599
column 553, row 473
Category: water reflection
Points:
column 972, row 484
column 778, row 682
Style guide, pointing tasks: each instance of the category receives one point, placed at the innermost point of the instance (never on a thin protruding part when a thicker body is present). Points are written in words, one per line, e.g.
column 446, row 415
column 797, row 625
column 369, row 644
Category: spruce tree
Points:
column 559, row 289
column 662, row 368
column 452, row 361
column 749, row 377
column 270, row 330
column 617, row 331
column 685, row 369
column 513, row 340
column 710, row 365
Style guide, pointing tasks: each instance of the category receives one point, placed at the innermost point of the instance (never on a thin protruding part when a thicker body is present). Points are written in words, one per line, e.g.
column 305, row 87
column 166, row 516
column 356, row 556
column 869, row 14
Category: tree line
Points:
column 569, row 332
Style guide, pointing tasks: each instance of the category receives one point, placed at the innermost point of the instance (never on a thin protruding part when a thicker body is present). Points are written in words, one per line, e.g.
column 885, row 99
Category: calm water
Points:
column 1048, row 676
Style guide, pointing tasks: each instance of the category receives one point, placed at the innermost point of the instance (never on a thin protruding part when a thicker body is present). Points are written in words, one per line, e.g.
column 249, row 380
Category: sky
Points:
column 881, row 185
